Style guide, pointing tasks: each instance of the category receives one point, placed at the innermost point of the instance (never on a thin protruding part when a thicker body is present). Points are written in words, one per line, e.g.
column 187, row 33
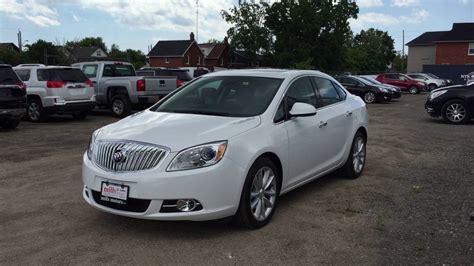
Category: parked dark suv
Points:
column 12, row 98
column 454, row 104
column 367, row 91
column 182, row 75
column 404, row 82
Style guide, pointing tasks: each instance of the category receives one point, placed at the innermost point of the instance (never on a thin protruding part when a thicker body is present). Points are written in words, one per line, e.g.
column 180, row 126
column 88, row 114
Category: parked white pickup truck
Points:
column 118, row 87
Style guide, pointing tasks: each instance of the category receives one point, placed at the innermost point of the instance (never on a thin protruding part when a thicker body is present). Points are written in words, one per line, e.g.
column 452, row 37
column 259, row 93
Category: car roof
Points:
column 105, row 62
column 41, row 67
column 268, row 73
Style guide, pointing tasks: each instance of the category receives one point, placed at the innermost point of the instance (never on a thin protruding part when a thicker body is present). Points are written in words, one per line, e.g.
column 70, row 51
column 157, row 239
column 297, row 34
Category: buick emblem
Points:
column 119, row 156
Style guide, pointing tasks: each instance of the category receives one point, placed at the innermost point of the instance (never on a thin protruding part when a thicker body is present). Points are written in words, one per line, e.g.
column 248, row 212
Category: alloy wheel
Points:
column 369, row 97
column 117, row 107
column 263, row 193
column 413, row 90
column 455, row 112
column 358, row 154
column 33, row 111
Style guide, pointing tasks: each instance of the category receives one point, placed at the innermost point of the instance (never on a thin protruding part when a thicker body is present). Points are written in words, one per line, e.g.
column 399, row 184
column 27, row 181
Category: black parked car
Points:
column 12, row 98
column 454, row 104
column 367, row 91
column 182, row 75
column 397, row 93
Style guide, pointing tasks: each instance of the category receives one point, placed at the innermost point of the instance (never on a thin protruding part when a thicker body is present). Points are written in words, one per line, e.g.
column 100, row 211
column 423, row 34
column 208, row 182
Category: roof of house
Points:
column 6, row 45
column 84, row 52
column 170, row 48
column 217, row 50
column 426, row 38
column 460, row 32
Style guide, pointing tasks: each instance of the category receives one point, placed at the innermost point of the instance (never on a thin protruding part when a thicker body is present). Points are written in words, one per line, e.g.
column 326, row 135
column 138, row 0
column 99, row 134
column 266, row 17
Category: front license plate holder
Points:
column 114, row 193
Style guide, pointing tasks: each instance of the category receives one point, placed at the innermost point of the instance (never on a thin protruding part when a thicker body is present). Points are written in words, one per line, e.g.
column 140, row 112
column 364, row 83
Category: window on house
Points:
column 471, row 48
column 187, row 60
column 99, row 54
column 167, row 60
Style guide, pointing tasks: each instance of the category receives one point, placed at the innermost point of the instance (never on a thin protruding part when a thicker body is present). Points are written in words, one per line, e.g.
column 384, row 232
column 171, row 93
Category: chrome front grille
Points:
column 124, row 156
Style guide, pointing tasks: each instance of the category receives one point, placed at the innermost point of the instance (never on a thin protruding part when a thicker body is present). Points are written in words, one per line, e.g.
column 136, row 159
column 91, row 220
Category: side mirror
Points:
column 302, row 109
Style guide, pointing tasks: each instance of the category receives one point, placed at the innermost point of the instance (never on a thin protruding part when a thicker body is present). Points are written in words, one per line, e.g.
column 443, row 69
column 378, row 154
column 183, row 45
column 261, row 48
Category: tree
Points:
column 399, row 63
column 310, row 29
column 372, row 50
column 136, row 57
column 44, row 52
column 12, row 57
column 248, row 32
column 87, row 42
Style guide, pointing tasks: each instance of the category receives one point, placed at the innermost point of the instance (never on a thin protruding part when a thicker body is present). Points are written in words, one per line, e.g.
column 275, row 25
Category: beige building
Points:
column 422, row 51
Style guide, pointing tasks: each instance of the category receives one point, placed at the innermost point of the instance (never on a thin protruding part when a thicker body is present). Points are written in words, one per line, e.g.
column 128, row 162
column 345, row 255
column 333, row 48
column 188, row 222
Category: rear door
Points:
column 75, row 84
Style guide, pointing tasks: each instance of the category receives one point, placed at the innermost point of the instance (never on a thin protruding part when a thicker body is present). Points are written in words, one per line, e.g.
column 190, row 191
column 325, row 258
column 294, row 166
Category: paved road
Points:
column 412, row 204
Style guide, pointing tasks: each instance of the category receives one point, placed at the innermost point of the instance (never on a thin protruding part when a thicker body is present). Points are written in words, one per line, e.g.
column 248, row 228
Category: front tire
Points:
column 369, row 97
column 355, row 163
column 413, row 90
column 259, row 195
column 120, row 106
column 455, row 112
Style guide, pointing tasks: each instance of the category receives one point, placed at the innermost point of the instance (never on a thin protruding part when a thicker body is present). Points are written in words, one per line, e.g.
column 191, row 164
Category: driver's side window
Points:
column 301, row 90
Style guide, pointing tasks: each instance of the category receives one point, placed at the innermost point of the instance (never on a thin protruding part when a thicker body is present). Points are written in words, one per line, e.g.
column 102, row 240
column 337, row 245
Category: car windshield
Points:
column 223, row 96
column 432, row 75
column 371, row 80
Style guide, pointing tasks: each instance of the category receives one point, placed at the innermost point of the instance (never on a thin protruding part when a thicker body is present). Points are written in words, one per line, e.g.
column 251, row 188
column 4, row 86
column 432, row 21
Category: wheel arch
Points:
column 276, row 160
column 114, row 90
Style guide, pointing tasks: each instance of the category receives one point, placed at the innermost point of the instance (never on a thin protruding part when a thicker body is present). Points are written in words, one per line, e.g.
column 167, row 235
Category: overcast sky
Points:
column 139, row 23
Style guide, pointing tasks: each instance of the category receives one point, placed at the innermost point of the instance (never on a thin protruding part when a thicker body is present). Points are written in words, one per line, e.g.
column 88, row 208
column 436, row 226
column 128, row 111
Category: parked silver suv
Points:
column 56, row 90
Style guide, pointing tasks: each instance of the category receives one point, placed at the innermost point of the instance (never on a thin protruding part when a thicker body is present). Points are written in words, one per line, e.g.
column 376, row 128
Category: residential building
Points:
column 454, row 47
column 9, row 46
column 216, row 54
column 176, row 53
column 92, row 53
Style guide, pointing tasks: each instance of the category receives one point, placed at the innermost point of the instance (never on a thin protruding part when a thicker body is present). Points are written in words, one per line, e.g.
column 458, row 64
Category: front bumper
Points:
column 217, row 188
column 71, row 107
column 12, row 113
column 433, row 107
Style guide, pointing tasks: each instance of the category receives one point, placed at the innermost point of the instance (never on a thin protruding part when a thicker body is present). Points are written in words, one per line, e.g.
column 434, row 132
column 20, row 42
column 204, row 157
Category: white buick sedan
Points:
column 227, row 144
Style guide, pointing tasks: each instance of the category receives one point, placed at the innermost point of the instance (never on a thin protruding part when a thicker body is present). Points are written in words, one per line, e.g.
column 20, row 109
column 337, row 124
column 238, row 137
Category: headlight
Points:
column 90, row 149
column 437, row 94
column 198, row 157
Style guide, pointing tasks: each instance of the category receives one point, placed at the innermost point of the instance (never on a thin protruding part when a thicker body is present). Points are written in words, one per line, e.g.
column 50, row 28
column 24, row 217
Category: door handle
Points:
column 322, row 124
column 348, row 113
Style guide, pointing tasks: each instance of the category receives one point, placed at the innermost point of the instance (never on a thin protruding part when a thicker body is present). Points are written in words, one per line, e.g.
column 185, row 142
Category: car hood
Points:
column 454, row 87
column 177, row 131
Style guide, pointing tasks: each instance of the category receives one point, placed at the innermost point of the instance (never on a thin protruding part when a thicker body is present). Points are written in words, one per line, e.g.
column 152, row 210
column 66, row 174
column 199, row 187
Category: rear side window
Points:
column 90, row 70
column 8, row 76
column 24, row 74
column 327, row 92
column 182, row 75
column 118, row 70
column 43, row 74
column 391, row 76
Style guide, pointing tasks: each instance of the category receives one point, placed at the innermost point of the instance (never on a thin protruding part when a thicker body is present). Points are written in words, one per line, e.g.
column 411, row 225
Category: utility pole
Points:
column 403, row 51
column 197, row 20
column 20, row 44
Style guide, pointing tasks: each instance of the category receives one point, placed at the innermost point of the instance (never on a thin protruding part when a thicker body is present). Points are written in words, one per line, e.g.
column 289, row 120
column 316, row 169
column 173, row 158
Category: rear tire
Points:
column 35, row 111
column 456, row 112
column 413, row 90
column 10, row 124
column 120, row 106
column 259, row 195
column 355, row 163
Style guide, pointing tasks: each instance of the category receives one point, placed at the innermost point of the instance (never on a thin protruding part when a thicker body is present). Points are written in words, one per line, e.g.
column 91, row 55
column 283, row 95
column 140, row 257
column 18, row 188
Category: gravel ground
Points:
column 411, row 206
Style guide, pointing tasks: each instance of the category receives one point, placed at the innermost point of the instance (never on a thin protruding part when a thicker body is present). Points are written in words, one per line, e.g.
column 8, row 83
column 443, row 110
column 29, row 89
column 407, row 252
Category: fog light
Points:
column 186, row 205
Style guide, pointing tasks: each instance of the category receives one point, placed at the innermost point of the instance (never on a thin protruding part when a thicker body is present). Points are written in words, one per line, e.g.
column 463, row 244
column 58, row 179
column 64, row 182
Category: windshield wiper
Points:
column 198, row 112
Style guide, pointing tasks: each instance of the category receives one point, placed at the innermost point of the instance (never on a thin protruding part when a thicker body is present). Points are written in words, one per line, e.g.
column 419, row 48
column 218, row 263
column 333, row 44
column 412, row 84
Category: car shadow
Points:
column 206, row 229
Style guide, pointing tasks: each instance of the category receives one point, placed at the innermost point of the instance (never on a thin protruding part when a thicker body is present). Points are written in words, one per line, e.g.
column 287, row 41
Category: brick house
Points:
column 216, row 54
column 177, row 53
column 454, row 47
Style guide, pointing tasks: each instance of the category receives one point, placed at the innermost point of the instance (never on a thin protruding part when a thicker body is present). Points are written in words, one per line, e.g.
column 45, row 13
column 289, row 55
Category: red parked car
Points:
column 404, row 82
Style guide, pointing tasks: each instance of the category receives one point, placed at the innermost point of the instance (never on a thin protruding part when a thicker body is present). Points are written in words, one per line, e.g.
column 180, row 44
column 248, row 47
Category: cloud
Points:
column 366, row 19
column 465, row 2
column 36, row 11
column 369, row 3
column 177, row 16
column 405, row 3
column 416, row 16
column 76, row 18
